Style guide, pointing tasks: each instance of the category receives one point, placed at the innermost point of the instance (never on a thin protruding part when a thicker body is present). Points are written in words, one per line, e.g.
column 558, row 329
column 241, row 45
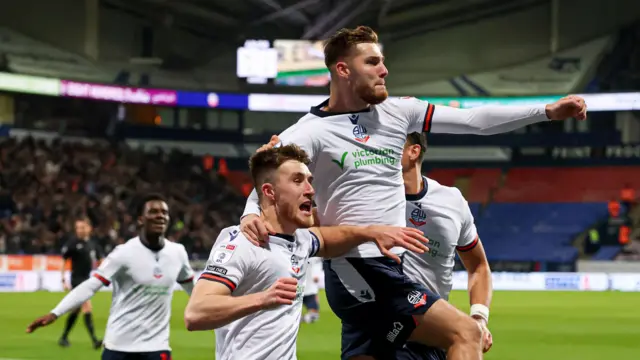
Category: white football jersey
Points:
column 314, row 272
column 356, row 160
column 143, row 282
column 247, row 269
column 443, row 214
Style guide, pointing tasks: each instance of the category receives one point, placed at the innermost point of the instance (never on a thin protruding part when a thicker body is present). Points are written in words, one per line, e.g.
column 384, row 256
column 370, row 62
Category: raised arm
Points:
column 487, row 120
column 334, row 241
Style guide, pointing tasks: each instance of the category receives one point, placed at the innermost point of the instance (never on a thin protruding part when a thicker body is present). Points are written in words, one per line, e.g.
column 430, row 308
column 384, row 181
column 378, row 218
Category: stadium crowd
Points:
column 44, row 186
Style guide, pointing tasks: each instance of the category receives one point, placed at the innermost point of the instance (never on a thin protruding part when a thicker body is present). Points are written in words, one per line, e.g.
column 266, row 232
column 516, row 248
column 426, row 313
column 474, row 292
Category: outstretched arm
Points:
column 78, row 296
column 334, row 241
column 487, row 120
column 109, row 269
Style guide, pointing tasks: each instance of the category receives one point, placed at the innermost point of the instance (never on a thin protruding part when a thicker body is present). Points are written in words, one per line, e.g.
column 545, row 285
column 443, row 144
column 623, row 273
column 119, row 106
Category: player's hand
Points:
column 256, row 230
column 282, row 292
column 387, row 237
column 41, row 321
column 487, row 338
column 571, row 106
column 273, row 142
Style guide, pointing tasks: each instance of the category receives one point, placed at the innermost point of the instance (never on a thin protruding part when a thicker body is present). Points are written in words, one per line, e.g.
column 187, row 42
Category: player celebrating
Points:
column 143, row 271
column 253, row 298
column 310, row 298
column 83, row 254
column 443, row 215
column 355, row 139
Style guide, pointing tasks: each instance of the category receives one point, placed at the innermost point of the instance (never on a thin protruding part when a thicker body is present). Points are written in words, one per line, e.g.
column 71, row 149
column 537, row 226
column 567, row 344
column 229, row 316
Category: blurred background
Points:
column 102, row 100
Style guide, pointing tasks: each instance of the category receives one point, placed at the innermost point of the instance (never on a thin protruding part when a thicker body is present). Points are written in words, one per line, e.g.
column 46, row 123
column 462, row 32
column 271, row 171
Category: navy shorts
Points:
column 415, row 351
column 119, row 355
column 311, row 302
column 376, row 303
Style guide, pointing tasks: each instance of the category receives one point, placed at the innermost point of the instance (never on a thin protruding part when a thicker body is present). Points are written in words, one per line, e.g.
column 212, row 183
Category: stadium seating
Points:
column 481, row 181
column 566, row 184
column 537, row 212
column 535, row 231
column 28, row 56
column 607, row 252
column 52, row 190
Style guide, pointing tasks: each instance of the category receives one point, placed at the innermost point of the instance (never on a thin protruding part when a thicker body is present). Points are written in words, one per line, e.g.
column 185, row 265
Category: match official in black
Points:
column 84, row 255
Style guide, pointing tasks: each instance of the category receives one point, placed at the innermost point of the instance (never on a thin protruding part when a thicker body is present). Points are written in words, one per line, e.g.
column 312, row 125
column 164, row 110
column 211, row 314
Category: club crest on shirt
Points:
column 360, row 134
column 417, row 299
column 418, row 217
column 157, row 272
column 295, row 264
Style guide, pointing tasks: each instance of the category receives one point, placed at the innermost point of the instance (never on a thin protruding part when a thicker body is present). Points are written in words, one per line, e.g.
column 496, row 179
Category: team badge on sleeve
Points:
column 223, row 254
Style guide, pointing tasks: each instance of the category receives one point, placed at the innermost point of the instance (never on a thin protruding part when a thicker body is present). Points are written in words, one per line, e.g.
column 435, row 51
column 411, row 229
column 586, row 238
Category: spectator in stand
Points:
column 627, row 197
column 45, row 185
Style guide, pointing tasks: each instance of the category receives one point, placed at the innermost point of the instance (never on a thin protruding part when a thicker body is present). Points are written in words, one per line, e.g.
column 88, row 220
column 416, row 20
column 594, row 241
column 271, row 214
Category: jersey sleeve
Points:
column 229, row 260
column 418, row 112
column 186, row 272
column 67, row 250
column 298, row 134
column 468, row 233
column 301, row 134
column 111, row 266
column 482, row 120
column 315, row 244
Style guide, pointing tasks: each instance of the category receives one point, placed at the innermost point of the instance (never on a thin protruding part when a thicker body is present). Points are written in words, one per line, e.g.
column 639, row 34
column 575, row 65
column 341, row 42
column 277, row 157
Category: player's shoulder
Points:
column 443, row 192
column 121, row 251
column 231, row 238
column 399, row 103
column 174, row 246
column 69, row 245
column 304, row 233
column 300, row 128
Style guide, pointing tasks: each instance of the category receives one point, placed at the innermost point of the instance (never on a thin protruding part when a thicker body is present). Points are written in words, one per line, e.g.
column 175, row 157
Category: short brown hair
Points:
column 418, row 138
column 83, row 218
column 343, row 41
column 262, row 164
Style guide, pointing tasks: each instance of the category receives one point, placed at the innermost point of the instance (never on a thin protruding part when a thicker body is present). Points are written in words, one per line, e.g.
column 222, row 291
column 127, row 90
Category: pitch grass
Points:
column 525, row 325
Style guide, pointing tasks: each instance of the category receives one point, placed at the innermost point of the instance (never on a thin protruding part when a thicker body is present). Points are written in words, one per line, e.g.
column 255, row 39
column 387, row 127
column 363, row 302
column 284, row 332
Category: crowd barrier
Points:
column 268, row 102
column 46, row 280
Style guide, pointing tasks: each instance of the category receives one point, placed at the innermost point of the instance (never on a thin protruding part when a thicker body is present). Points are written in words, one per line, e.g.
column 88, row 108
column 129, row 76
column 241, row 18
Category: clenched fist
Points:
column 571, row 106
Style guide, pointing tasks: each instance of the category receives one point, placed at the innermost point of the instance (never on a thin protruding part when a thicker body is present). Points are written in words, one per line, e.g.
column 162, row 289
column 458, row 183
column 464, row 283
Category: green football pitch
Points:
column 525, row 325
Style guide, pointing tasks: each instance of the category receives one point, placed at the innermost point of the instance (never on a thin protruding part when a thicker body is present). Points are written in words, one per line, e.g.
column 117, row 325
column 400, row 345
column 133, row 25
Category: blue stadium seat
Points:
column 607, row 252
column 535, row 231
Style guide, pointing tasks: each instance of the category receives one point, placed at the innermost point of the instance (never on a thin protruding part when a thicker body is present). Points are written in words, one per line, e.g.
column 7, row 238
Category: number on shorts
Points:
column 164, row 356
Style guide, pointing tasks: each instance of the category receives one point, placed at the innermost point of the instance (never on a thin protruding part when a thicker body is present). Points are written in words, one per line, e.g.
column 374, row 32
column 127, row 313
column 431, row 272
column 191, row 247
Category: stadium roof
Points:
column 232, row 21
